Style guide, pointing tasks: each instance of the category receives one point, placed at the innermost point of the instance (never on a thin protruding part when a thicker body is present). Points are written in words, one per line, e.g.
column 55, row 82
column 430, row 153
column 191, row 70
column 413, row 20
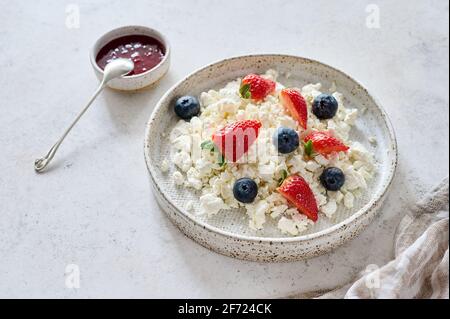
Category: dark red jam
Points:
column 145, row 51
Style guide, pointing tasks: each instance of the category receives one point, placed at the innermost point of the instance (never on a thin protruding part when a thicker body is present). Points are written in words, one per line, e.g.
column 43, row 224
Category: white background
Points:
column 94, row 208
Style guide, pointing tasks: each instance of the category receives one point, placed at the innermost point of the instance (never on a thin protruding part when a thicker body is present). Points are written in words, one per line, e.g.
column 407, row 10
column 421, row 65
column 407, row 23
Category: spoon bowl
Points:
column 117, row 68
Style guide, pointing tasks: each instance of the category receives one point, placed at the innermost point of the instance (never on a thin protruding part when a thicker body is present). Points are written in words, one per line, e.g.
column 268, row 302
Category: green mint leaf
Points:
column 309, row 148
column 222, row 161
column 284, row 175
column 244, row 91
column 207, row 145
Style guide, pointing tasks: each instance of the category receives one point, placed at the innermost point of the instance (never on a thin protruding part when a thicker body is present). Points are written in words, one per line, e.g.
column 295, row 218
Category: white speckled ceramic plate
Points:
column 228, row 232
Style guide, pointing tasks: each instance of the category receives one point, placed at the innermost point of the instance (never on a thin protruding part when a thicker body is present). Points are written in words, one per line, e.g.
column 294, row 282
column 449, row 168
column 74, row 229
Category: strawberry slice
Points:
column 256, row 87
column 323, row 143
column 295, row 103
column 235, row 139
column 297, row 191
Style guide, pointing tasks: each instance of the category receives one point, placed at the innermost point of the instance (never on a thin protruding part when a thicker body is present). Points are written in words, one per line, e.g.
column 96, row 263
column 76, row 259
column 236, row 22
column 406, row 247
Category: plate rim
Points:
column 371, row 205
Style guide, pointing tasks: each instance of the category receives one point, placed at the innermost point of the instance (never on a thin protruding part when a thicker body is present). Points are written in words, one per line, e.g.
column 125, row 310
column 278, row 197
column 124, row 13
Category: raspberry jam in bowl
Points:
column 146, row 47
column 146, row 52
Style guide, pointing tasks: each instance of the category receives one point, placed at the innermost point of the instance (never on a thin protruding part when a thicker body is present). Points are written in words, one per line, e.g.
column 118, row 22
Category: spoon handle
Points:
column 41, row 163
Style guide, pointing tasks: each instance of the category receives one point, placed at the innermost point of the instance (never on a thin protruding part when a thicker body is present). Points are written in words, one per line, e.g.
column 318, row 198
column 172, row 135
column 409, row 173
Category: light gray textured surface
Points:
column 95, row 208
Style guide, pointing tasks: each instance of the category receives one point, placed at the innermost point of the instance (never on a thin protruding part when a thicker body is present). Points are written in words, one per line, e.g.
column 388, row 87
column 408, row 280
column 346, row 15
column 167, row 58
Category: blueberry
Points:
column 187, row 107
column 286, row 140
column 332, row 178
column 324, row 106
column 245, row 190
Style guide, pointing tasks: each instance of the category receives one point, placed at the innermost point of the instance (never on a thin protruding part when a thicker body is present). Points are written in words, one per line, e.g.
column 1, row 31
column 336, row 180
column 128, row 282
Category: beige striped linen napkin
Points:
column 420, row 268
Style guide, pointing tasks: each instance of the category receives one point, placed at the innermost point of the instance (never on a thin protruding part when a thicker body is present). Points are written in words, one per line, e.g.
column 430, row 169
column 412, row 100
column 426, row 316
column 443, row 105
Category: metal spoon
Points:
column 114, row 69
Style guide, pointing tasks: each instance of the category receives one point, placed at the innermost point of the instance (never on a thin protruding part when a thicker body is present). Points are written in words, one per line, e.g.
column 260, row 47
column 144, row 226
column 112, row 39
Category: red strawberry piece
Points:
column 295, row 103
column 235, row 139
column 325, row 143
column 297, row 191
column 256, row 87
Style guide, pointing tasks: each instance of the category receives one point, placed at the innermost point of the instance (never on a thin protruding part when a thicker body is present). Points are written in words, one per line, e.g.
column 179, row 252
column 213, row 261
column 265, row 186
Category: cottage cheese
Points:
column 199, row 169
column 164, row 166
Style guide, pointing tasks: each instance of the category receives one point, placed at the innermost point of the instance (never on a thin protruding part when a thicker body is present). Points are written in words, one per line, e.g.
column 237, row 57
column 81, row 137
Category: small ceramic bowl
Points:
column 138, row 81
